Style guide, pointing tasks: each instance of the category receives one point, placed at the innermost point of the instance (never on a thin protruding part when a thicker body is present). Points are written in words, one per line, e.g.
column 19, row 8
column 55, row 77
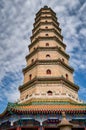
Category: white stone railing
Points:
column 45, row 95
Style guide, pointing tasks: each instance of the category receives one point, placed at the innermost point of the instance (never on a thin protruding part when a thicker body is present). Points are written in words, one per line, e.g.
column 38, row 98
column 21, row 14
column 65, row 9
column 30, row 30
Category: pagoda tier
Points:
column 47, row 59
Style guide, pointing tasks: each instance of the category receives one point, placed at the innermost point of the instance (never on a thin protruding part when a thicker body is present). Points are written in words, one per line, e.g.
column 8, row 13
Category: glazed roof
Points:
column 56, row 107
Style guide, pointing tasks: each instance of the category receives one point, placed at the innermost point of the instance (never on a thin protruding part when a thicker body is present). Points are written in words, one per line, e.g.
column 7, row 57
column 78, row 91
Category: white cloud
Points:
column 83, row 32
column 12, row 95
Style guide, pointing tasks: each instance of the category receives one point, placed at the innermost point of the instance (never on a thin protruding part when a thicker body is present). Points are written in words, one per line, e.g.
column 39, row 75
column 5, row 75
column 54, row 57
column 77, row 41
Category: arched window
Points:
column 66, row 76
column 46, row 27
column 46, row 34
column 46, row 21
column 26, row 96
column 34, row 48
column 62, row 59
column 30, row 76
column 48, row 71
column 48, row 56
column 32, row 60
column 49, row 92
column 47, row 44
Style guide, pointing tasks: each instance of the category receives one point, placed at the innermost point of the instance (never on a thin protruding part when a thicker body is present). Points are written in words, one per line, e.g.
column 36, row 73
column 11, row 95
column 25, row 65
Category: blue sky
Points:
column 16, row 24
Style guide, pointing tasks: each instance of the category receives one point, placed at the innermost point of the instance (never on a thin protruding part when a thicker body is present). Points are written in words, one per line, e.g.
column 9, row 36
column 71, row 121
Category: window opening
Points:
column 47, row 44
column 66, row 76
column 46, row 34
column 48, row 71
column 32, row 60
column 30, row 76
column 49, row 92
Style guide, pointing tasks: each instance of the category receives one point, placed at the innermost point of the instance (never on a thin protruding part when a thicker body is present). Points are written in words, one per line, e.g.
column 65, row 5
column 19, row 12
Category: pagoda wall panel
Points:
column 28, row 92
column 43, row 15
column 45, row 10
column 54, row 55
column 47, row 25
column 43, row 34
column 32, row 72
column 70, row 92
column 42, row 43
column 42, row 55
column 57, row 89
column 56, row 71
column 42, row 20
column 45, row 20
column 32, row 59
column 41, row 91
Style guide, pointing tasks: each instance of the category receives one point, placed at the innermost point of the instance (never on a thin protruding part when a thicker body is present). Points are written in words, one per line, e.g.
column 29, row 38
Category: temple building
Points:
column 48, row 88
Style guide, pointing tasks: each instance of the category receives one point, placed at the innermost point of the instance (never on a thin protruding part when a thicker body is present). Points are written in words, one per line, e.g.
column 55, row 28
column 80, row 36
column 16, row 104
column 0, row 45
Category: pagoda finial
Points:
column 45, row 6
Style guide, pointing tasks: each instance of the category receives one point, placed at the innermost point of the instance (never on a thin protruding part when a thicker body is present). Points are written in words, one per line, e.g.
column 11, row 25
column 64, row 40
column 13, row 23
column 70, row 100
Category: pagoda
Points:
column 48, row 88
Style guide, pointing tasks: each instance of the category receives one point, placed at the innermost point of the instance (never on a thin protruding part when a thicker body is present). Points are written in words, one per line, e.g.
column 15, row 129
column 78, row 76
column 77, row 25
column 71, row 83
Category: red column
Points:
column 18, row 128
column 85, row 128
